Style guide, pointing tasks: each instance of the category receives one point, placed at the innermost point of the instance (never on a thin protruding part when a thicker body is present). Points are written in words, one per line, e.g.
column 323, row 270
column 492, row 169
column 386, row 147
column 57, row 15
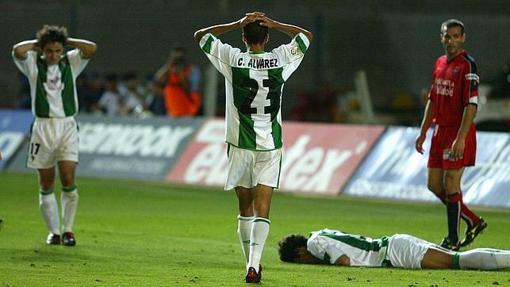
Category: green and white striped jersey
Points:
column 328, row 245
column 254, row 84
column 53, row 87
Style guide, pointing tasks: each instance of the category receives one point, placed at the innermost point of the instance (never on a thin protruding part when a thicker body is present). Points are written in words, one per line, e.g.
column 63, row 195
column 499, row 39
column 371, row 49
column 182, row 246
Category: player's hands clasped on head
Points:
column 255, row 16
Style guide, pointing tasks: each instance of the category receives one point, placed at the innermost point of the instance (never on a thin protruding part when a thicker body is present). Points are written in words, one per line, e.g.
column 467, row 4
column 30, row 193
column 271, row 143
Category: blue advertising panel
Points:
column 393, row 169
column 127, row 147
column 14, row 127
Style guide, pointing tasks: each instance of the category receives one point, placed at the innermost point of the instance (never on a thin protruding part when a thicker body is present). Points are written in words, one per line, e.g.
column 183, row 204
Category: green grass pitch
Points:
column 133, row 233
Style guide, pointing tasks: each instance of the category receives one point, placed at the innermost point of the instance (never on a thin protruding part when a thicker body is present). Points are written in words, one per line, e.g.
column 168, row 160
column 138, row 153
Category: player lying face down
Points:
column 335, row 247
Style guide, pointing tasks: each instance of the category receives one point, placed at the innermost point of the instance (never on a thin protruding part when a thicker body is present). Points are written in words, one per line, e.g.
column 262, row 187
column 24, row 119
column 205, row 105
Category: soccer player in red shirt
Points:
column 452, row 104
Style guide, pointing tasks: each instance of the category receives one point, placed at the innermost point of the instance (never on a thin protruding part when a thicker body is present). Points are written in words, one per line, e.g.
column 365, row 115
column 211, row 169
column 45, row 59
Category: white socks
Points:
column 49, row 209
column 259, row 232
column 69, row 200
column 244, row 225
column 484, row 258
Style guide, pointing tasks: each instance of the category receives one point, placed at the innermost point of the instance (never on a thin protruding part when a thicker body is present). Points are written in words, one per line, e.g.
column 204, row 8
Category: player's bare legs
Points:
column 245, row 198
column 435, row 182
column 69, row 200
column 437, row 259
column 46, row 178
column 67, row 170
column 262, row 200
column 452, row 179
column 48, row 204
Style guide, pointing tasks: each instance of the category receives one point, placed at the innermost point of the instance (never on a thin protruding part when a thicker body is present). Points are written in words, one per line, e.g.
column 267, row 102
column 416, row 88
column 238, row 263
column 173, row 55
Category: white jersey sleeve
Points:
column 321, row 248
column 221, row 55
column 77, row 62
column 329, row 245
column 27, row 66
column 291, row 54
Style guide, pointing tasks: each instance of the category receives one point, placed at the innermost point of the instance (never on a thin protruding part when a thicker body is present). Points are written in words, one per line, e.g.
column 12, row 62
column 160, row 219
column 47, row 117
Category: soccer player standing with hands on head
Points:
column 452, row 103
column 254, row 83
column 52, row 74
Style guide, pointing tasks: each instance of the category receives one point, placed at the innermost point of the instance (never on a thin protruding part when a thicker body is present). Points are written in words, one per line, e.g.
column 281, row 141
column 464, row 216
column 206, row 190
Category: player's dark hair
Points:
column 50, row 34
column 452, row 23
column 288, row 245
column 255, row 33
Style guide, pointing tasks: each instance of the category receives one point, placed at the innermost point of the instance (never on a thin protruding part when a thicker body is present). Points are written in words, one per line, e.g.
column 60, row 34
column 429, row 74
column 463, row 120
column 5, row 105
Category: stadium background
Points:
column 394, row 42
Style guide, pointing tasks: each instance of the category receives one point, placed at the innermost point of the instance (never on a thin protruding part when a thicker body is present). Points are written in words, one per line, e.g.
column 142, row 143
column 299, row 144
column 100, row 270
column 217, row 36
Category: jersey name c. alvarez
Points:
column 254, row 63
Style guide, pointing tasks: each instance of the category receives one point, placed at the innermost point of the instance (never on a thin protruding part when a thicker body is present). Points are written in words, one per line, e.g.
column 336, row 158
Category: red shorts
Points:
column 442, row 142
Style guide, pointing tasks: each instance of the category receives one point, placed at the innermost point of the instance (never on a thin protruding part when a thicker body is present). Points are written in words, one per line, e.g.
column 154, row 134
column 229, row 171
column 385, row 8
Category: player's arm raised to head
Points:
column 20, row 49
column 291, row 30
column 87, row 48
column 219, row 29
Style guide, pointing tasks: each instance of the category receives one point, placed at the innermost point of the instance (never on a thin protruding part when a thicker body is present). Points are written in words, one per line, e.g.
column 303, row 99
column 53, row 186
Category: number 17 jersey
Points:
column 254, row 85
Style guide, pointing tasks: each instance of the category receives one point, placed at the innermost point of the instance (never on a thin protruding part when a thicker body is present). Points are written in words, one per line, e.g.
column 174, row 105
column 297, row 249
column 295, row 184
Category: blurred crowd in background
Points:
column 132, row 94
column 127, row 78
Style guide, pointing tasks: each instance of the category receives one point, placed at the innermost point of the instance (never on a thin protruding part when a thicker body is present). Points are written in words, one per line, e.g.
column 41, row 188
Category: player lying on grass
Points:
column 335, row 247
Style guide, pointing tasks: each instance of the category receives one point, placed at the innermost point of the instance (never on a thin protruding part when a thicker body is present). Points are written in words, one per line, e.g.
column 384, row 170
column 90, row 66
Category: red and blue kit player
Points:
column 452, row 104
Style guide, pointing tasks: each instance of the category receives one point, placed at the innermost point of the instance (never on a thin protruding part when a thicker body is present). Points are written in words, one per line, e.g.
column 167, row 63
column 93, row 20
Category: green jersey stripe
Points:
column 359, row 242
column 301, row 44
column 279, row 171
column 275, row 85
column 67, row 94
column 208, row 44
column 247, row 136
column 276, row 131
column 42, row 107
column 244, row 91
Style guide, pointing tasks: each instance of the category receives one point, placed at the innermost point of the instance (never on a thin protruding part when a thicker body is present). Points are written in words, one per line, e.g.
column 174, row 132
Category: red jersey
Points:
column 454, row 85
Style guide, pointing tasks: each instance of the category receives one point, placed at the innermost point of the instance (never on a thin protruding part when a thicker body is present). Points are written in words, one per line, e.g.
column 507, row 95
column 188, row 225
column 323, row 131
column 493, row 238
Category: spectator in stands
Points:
column 181, row 81
column 110, row 100
column 24, row 100
column 501, row 84
column 155, row 101
column 132, row 95
column 90, row 89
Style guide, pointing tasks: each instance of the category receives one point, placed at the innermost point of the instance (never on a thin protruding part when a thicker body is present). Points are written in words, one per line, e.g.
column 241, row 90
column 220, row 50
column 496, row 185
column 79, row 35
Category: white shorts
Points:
column 406, row 251
column 52, row 140
column 247, row 168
